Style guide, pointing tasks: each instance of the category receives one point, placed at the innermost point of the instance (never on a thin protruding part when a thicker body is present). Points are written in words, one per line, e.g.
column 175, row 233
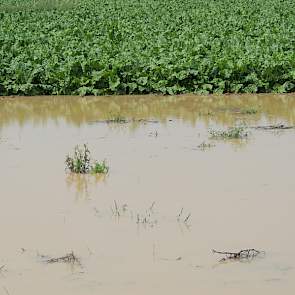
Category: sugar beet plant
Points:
column 81, row 162
column 146, row 46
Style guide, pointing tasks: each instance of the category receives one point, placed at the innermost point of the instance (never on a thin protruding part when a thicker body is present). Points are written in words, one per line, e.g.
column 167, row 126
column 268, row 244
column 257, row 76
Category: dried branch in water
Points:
column 243, row 254
column 274, row 127
column 68, row 258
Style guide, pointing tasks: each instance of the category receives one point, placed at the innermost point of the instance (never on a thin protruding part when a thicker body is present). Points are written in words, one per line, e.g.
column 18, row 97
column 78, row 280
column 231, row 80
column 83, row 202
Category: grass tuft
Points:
column 249, row 111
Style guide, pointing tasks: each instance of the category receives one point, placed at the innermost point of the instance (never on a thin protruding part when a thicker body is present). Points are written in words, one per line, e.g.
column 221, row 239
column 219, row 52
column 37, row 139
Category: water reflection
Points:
column 223, row 109
column 84, row 184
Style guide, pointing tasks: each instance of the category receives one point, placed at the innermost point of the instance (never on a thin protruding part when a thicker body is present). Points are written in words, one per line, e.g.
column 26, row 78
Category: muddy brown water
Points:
column 239, row 194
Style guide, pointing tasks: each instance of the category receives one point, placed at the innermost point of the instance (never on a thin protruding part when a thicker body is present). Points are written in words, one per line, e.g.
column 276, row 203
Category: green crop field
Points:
column 146, row 46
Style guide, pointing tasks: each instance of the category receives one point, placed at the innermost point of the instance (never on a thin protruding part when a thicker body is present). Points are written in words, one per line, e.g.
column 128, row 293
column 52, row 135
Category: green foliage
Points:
column 133, row 46
column 230, row 133
column 81, row 162
column 99, row 168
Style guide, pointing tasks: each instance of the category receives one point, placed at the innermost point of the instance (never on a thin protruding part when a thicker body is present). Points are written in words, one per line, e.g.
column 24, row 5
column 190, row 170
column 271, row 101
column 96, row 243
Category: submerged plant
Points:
column 249, row 111
column 231, row 133
column 116, row 118
column 81, row 162
column 203, row 146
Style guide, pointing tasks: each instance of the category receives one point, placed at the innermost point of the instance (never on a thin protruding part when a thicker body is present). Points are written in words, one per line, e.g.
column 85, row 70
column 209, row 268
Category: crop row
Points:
column 146, row 46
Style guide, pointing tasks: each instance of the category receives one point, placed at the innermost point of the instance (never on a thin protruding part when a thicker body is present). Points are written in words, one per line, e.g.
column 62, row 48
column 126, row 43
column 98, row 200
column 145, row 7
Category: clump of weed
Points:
column 231, row 133
column 116, row 118
column 81, row 162
column 98, row 167
column 249, row 111
column 206, row 113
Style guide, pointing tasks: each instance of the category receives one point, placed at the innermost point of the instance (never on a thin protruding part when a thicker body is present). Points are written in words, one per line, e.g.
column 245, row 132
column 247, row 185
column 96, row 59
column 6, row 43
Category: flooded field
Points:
column 177, row 188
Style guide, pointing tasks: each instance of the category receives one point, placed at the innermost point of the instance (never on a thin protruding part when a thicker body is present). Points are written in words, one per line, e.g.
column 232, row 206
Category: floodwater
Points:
column 150, row 225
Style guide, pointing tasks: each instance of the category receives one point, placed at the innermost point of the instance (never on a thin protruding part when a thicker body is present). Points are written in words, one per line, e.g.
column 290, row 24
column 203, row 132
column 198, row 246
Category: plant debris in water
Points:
column 81, row 162
column 119, row 119
column 231, row 133
column 243, row 254
column 68, row 258
column 249, row 111
column 274, row 127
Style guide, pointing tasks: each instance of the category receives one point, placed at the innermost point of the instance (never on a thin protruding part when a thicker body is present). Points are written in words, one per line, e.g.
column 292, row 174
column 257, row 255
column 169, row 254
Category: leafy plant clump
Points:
column 101, row 47
column 231, row 133
column 99, row 167
column 81, row 162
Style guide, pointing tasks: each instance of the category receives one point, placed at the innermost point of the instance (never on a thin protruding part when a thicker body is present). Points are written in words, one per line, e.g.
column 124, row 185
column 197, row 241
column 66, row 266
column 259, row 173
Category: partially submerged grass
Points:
column 183, row 218
column 147, row 218
column 205, row 145
column 249, row 111
column 237, row 132
column 206, row 113
column 116, row 118
column 81, row 162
